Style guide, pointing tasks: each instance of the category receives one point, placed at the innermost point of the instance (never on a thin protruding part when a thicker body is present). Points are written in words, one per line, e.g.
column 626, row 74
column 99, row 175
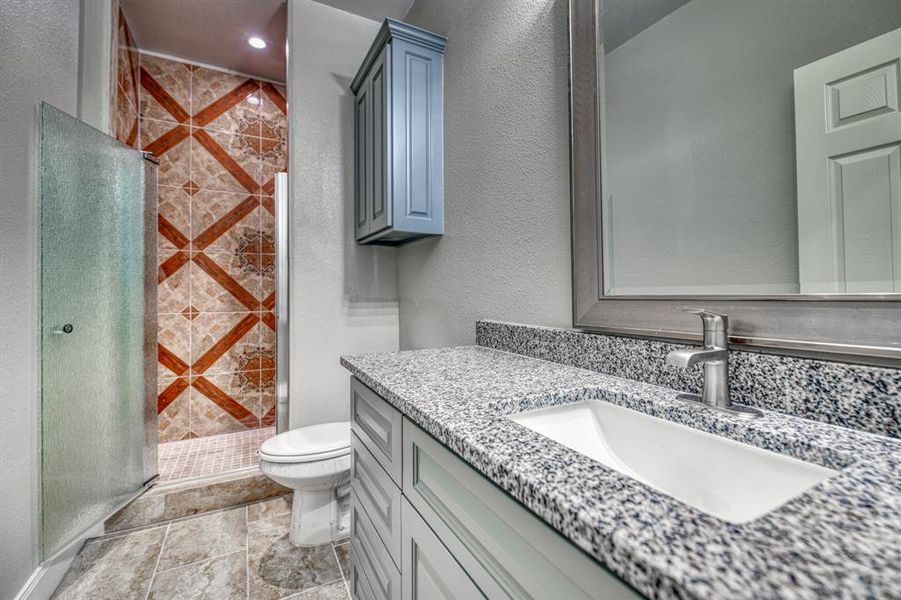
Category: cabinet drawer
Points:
column 359, row 586
column 430, row 571
column 371, row 556
column 378, row 425
column 507, row 550
column 378, row 496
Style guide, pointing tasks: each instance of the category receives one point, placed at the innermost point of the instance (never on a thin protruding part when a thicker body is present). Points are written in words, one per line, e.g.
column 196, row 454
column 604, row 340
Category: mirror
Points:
column 749, row 147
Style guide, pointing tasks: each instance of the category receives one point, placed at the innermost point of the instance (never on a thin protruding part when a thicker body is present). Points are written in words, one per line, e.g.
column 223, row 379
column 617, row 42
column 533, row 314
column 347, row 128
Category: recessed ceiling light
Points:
column 258, row 43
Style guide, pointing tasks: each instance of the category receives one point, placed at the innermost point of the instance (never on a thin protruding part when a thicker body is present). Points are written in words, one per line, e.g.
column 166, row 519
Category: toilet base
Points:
column 320, row 516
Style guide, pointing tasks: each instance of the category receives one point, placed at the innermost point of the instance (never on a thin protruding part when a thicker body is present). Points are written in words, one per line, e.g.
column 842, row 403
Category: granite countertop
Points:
column 842, row 538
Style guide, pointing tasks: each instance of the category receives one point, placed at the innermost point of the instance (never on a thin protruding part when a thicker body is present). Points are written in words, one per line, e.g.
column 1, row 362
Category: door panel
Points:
column 363, row 169
column 848, row 130
column 92, row 326
column 380, row 217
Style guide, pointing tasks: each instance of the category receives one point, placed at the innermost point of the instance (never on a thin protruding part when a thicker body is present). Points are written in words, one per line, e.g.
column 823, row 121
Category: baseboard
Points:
column 46, row 578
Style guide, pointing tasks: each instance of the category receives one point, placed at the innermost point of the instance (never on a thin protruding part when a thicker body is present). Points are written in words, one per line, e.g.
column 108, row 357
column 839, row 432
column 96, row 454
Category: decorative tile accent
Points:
column 124, row 122
column 173, row 406
column 174, row 218
column 855, row 396
column 220, row 139
column 838, row 539
column 165, row 89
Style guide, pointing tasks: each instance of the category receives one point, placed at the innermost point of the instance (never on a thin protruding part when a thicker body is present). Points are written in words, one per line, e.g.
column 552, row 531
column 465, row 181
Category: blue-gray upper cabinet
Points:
column 399, row 137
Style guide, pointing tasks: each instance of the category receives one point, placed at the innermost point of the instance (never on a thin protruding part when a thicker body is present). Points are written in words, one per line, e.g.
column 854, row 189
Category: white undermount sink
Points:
column 716, row 475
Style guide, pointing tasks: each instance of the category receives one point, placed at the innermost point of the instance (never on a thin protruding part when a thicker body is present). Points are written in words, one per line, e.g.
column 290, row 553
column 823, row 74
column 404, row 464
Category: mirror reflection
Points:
column 751, row 147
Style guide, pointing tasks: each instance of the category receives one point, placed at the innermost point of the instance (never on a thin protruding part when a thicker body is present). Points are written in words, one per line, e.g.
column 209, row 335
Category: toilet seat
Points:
column 308, row 444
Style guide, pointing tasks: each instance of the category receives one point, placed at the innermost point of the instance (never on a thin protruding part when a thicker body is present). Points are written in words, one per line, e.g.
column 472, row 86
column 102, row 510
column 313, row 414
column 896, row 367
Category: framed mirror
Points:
column 742, row 156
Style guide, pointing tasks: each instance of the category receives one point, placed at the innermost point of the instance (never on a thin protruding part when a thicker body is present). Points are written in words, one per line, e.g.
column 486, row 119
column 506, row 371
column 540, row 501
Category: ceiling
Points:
column 376, row 10
column 624, row 19
column 215, row 32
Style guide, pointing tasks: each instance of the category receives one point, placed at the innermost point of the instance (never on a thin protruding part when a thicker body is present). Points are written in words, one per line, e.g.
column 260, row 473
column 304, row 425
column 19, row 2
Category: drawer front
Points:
column 377, row 494
column 378, row 425
column 359, row 587
column 506, row 549
column 371, row 556
column 430, row 571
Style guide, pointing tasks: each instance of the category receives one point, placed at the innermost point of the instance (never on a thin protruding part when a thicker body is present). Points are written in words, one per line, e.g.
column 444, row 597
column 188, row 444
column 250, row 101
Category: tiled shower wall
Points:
column 123, row 81
column 220, row 139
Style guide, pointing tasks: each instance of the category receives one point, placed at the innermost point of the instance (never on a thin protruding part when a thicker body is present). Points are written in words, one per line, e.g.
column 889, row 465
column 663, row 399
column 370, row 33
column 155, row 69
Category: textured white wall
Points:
column 506, row 250
column 343, row 297
column 39, row 50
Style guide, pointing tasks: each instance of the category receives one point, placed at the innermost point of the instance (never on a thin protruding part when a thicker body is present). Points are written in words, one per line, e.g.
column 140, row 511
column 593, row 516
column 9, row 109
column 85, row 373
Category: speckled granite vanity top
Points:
column 841, row 538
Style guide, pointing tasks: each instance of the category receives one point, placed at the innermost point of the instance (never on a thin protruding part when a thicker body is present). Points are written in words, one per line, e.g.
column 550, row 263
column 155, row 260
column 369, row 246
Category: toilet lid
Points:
column 314, row 442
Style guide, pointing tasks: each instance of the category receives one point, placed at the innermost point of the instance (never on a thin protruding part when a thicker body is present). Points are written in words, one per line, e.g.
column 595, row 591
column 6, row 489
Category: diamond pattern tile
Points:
column 220, row 138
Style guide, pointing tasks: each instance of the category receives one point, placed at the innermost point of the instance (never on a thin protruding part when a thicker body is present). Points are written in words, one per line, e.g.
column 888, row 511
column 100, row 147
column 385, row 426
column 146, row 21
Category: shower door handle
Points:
column 65, row 329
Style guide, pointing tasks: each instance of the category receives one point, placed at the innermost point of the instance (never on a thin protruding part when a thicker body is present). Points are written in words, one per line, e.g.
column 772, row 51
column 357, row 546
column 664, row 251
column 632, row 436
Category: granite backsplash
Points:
column 856, row 396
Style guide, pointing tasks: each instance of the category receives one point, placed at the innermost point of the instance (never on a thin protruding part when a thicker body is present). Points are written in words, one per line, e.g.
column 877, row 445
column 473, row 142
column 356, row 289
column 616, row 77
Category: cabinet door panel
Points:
column 362, row 162
column 380, row 215
column 378, row 425
column 508, row 551
column 417, row 133
column 429, row 570
column 378, row 495
column 369, row 554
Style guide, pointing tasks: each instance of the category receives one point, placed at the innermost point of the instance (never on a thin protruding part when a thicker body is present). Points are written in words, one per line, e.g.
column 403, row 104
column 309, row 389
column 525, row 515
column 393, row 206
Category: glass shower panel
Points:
column 92, row 328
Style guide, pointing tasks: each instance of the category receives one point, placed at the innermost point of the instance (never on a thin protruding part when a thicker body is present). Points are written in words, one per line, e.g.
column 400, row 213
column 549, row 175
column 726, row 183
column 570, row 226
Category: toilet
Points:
column 314, row 461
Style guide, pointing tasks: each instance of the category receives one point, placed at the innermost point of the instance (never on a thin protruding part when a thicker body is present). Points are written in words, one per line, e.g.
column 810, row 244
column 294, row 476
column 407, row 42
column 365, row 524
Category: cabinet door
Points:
column 362, row 160
column 380, row 99
column 430, row 572
column 417, row 122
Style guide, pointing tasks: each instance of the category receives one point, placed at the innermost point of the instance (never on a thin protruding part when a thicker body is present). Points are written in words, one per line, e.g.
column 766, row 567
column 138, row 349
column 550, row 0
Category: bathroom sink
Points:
column 716, row 475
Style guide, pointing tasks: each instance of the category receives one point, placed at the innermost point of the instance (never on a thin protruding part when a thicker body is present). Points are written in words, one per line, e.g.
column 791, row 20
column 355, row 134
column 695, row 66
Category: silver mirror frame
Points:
column 862, row 328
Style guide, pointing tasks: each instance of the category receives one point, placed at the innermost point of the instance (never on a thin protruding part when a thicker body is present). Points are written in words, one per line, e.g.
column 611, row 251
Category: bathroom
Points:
column 321, row 299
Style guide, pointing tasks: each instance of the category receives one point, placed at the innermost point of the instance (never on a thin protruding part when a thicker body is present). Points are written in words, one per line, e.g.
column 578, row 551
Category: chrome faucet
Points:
column 714, row 356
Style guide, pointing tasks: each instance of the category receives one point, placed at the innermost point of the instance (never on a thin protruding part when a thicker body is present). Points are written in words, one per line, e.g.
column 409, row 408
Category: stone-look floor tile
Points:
column 112, row 569
column 221, row 495
column 332, row 591
column 141, row 511
column 269, row 508
column 278, row 568
column 203, row 537
column 222, row 578
column 342, row 551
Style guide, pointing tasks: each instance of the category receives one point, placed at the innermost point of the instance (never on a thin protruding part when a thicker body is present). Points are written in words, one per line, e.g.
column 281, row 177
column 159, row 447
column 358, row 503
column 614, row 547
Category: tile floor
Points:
column 211, row 455
column 239, row 553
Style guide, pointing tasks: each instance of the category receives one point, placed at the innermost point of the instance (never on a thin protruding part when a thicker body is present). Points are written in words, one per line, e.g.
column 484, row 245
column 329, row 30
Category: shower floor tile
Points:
column 211, row 455
column 240, row 553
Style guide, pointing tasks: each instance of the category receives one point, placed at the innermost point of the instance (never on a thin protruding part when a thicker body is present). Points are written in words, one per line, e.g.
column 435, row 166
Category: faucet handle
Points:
column 713, row 322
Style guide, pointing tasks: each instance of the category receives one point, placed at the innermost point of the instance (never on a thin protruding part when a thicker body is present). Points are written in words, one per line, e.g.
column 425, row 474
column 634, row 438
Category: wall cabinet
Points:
column 399, row 137
column 445, row 531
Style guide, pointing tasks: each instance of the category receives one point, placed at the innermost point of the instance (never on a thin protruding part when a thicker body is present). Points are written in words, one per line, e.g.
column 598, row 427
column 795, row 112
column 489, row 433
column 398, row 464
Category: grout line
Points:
column 157, row 564
column 197, row 562
column 247, row 552
column 338, row 560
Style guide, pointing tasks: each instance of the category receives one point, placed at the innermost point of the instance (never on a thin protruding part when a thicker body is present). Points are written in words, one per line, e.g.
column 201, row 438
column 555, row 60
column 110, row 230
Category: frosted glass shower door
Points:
column 92, row 214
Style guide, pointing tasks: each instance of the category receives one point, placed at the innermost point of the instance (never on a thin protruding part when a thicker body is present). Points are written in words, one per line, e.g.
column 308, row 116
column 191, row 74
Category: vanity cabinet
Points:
column 399, row 137
column 445, row 531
